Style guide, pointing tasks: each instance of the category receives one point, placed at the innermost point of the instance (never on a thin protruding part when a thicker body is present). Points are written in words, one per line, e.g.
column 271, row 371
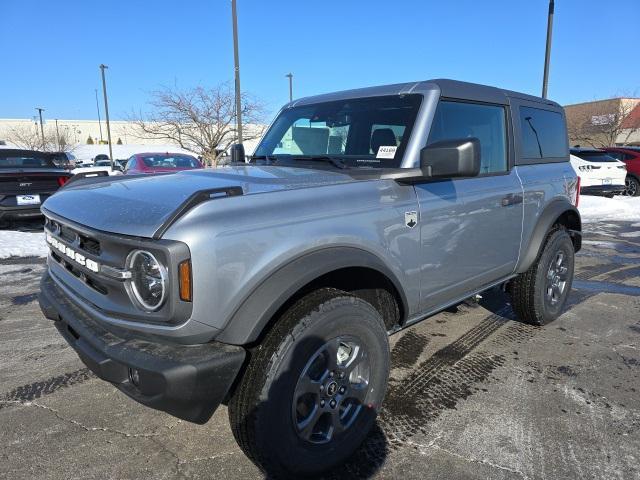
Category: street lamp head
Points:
column 103, row 66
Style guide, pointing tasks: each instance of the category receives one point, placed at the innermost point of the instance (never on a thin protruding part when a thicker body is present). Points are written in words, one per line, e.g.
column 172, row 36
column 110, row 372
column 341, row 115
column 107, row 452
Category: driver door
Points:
column 470, row 228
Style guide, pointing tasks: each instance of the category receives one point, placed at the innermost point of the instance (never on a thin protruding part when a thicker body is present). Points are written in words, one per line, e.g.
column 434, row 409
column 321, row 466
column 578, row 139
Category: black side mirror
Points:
column 451, row 158
column 237, row 153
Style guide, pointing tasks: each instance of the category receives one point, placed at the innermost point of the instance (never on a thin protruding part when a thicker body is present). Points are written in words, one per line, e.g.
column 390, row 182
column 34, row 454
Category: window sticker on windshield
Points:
column 386, row 151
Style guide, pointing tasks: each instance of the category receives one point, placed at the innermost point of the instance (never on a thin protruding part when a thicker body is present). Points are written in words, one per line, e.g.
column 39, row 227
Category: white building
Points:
column 78, row 132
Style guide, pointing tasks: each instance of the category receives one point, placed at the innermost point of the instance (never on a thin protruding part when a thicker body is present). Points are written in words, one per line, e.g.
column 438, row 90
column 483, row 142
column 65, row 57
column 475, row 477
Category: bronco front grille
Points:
column 85, row 243
column 75, row 271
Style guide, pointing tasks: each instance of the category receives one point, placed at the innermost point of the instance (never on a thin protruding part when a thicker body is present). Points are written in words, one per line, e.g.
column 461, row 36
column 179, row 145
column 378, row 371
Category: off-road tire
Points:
column 260, row 408
column 529, row 289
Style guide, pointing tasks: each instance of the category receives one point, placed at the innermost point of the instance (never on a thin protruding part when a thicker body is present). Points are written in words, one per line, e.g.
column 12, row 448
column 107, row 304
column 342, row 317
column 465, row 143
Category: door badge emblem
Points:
column 410, row 219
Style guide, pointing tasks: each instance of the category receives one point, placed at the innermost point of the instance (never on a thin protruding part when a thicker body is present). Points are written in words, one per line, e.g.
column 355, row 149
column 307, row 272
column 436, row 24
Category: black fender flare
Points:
column 550, row 215
column 259, row 307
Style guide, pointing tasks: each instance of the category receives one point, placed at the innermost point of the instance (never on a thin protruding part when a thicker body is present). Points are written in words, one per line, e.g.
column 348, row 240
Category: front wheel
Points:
column 632, row 186
column 540, row 294
column 312, row 387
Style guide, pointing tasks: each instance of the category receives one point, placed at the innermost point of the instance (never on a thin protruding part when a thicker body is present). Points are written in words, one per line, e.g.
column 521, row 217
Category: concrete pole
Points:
column 40, row 110
column 57, row 135
column 290, row 76
column 547, row 55
column 106, row 113
column 236, row 62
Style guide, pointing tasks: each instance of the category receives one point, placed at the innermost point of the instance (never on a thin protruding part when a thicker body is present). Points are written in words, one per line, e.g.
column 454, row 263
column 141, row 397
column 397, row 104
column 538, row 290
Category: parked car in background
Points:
column 100, row 156
column 631, row 157
column 100, row 166
column 64, row 160
column 27, row 178
column 161, row 163
column 600, row 174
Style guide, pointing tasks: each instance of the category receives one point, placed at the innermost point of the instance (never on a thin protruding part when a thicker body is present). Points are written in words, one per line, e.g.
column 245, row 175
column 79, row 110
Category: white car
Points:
column 599, row 173
column 100, row 166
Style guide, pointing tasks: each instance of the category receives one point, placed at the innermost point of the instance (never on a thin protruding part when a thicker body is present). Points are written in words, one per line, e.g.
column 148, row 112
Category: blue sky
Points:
column 52, row 49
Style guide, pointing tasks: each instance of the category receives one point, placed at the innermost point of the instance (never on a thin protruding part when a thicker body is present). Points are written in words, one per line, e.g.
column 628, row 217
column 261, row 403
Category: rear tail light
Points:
column 62, row 180
column 577, row 193
column 186, row 289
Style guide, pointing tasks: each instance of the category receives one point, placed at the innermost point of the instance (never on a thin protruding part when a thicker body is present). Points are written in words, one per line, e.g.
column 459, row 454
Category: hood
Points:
column 139, row 205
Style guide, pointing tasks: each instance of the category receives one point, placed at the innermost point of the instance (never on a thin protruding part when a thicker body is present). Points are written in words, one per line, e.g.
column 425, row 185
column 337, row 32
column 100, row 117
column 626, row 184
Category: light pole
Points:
column 40, row 110
column 290, row 76
column 236, row 62
column 57, row 135
column 98, row 108
column 547, row 54
column 106, row 112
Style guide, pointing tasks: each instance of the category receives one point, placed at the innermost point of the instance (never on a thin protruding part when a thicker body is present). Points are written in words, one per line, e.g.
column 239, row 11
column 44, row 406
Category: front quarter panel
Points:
column 238, row 243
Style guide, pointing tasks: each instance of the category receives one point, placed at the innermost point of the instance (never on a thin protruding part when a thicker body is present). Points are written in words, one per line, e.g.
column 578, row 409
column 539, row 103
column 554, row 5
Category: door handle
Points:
column 511, row 199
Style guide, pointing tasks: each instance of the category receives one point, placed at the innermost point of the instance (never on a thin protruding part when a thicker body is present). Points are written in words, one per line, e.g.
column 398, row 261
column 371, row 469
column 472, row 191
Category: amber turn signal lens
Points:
column 186, row 291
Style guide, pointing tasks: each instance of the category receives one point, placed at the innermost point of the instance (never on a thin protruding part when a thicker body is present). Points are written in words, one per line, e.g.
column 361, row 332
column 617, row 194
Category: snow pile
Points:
column 22, row 244
column 596, row 209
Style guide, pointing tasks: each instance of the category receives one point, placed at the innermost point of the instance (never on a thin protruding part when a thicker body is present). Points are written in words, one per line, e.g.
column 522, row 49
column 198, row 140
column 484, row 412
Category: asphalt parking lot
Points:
column 473, row 393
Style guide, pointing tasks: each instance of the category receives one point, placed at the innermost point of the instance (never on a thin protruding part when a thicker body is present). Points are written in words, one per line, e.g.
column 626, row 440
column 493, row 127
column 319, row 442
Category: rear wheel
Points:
column 540, row 294
column 312, row 387
column 632, row 186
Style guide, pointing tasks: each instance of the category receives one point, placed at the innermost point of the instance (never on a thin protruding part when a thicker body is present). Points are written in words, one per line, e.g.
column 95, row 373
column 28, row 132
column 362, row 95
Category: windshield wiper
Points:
column 268, row 158
column 336, row 162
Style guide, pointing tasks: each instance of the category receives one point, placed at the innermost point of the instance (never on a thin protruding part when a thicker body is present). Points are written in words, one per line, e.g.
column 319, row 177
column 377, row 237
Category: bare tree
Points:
column 29, row 137
column 603, row 123
column 26, row 136
column 201, row 120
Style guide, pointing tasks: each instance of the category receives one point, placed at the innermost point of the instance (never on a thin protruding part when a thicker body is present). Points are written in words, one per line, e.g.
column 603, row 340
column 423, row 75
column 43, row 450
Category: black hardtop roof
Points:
column 447, row 87
column 458, row 89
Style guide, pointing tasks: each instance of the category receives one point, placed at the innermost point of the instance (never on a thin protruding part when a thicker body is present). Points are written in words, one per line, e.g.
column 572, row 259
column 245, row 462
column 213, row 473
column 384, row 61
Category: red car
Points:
column 631, row 157
column 160, row 163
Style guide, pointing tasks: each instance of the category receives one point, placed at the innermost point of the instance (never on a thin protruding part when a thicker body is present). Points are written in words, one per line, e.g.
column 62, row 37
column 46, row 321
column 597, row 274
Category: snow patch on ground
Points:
column 630, row 234
column 600, row 243
column 22, row 244
column 597, row 209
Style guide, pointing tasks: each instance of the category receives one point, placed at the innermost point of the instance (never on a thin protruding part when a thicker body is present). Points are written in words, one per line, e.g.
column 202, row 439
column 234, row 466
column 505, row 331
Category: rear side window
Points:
column 458, row 120
column 544, row 134
column 25, row 161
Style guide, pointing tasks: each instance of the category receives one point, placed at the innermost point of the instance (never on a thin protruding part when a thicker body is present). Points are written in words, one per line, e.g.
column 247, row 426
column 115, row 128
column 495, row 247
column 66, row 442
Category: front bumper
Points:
column 602, row 189
column 21, row 212
column 186, row 381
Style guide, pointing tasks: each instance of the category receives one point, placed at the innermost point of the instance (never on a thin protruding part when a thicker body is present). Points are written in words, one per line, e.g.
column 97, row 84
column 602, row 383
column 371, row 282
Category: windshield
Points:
column 170, row 161
column 595, row 157
column 25, row 161
column 363, row 132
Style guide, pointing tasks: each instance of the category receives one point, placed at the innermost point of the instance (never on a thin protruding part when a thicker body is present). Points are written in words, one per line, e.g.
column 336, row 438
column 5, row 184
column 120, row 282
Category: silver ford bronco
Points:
column 271, row 285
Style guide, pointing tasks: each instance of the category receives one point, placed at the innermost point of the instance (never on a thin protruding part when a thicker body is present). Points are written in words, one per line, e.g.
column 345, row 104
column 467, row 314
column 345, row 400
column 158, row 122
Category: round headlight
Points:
column 148, row 279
